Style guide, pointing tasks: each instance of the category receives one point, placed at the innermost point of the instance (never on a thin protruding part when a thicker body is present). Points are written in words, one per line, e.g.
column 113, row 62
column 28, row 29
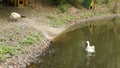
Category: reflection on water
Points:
column 68, row 51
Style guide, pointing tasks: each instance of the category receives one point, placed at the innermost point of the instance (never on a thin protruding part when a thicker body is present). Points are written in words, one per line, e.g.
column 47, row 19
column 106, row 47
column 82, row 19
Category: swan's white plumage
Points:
column 90, row 49
column 15, row 16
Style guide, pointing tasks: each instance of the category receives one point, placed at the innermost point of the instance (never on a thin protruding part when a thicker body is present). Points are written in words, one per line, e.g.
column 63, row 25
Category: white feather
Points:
column 15, row 16
column 90, row 49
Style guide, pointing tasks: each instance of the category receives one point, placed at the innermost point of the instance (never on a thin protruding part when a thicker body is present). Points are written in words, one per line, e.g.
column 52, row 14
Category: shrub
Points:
column 62, row 8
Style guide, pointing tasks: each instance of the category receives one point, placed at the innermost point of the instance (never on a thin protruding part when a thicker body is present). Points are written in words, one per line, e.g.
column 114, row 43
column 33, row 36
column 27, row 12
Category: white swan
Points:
column 90, row 49
column 15, row 16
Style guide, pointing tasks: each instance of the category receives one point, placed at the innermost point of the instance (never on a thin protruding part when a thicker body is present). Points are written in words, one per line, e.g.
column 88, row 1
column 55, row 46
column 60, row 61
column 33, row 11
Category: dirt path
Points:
column 49, row 32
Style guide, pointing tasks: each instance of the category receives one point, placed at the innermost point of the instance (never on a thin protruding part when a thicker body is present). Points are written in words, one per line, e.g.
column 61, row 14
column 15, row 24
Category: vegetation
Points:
column 30, row 40
column 58, row 20
column 62, row 8
column 15, row 41
column 6, row 50
column 63, row 16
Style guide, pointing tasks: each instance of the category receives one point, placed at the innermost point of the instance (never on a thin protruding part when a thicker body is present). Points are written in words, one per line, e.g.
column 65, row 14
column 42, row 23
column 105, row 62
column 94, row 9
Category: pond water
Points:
column 68, row 49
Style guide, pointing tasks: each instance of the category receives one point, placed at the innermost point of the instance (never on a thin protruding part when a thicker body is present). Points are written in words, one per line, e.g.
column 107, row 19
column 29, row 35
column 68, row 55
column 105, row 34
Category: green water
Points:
column 68, row 50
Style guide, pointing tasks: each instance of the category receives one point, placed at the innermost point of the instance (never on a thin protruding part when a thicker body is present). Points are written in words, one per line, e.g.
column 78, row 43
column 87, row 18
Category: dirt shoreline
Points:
column 21, row 60
column 102, row 17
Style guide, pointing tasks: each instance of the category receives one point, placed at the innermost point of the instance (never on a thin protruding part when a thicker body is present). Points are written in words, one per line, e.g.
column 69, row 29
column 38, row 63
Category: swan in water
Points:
column 90, row 49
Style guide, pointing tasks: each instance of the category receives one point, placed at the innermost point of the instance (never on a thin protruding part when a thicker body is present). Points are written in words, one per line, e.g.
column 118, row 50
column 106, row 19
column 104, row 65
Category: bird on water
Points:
column 90, row 49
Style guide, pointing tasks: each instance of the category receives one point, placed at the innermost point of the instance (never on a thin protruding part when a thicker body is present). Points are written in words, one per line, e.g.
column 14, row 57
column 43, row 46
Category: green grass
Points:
column 18, row 31
column 62, row 8
column 58, row 20
column 26, row 41
column 4, row 50
column 88, row 15
column 20, row 49
column 30, row 39
column 20, row 43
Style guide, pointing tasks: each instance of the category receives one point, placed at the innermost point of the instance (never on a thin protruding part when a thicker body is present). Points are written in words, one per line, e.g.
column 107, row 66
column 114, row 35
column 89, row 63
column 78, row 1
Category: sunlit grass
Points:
column 4, row 50
column 58, row 20
column 17, row 40
column 30, row 39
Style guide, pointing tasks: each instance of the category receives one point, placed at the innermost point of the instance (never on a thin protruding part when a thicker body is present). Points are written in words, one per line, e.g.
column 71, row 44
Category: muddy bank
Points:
column 102, row 17
column 76, row 23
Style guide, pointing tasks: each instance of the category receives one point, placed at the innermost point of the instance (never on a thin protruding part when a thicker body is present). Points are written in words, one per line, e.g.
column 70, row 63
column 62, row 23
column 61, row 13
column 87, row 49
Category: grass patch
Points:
column 62, row 8
column 58, row 20
column 20, row 38
column 20, row 49
column 6, row 40
column 91, row 14
column 4, row 50
column 31, row 39
column 26, row 41
column 18, row 31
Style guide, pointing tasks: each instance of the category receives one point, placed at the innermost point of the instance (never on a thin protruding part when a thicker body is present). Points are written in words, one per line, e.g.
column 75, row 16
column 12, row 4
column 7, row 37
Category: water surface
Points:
column 68, row 50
